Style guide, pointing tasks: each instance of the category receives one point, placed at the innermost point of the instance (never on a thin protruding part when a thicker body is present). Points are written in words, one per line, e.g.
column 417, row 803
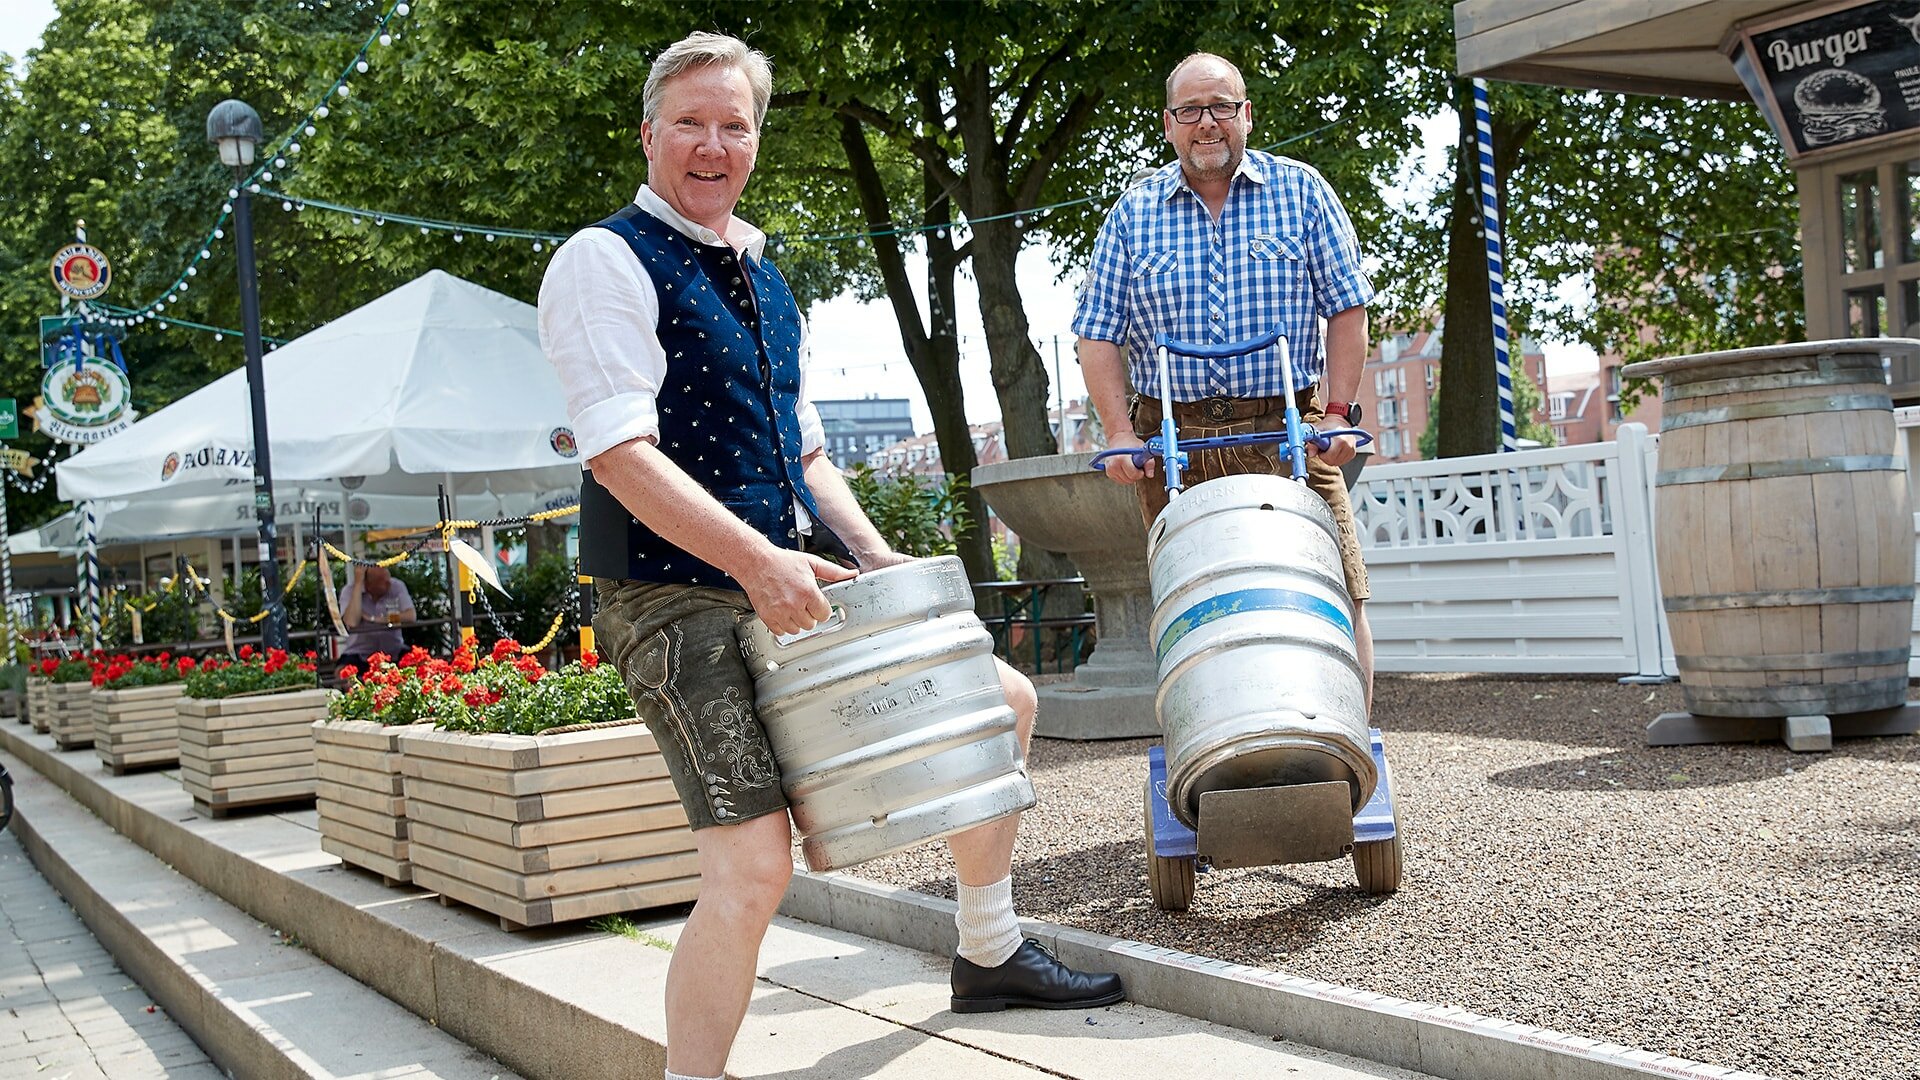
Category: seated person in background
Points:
column 374, row 606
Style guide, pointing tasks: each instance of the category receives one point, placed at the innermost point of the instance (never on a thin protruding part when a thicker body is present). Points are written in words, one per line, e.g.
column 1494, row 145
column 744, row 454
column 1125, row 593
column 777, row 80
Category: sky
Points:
column 856, row 346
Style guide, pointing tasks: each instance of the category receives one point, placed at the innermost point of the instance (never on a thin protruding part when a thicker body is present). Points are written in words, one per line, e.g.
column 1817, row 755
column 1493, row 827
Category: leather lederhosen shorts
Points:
column 1211, row 417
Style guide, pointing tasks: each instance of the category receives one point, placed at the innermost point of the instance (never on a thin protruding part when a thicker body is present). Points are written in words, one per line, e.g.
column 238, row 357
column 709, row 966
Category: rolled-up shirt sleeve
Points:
column 1333, row 255
column 1101, row 313
column 598, row 319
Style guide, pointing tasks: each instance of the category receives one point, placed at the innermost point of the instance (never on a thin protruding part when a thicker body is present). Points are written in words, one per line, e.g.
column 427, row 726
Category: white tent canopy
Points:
column 438, row 379
column 150, row 520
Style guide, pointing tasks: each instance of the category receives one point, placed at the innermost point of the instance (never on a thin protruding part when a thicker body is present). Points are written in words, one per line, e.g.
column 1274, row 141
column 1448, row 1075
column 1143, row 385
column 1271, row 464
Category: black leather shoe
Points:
column 1031, row 977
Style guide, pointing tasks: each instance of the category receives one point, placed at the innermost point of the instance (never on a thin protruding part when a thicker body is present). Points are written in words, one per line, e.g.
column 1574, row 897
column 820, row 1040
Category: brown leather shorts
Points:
column 1212, row 417
column 676, row 648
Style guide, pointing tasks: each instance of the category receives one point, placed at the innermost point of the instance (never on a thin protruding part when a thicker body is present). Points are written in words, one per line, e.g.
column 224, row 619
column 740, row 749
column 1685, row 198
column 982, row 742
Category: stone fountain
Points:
column 1061, row 504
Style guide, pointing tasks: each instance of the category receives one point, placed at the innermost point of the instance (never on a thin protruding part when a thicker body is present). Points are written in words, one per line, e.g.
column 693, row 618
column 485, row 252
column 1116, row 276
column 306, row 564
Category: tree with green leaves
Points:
column 1679, row 213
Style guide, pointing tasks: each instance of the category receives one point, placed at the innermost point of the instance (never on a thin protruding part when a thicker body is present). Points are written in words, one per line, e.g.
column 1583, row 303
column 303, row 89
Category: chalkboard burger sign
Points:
column 1842, row 76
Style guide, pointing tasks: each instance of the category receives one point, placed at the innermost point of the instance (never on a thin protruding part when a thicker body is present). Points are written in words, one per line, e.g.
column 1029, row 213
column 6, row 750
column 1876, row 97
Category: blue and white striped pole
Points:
column 1496, row 262
column 90, row 572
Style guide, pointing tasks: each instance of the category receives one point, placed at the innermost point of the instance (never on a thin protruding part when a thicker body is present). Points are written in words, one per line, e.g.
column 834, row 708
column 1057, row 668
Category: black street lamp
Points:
column 235, row 127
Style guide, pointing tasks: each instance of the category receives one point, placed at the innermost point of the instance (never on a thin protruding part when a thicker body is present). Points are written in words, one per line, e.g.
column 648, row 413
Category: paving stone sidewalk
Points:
column 67, row 1011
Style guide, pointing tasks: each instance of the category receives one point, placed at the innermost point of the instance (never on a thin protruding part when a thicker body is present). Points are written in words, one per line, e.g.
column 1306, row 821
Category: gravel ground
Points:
column 1741, row 905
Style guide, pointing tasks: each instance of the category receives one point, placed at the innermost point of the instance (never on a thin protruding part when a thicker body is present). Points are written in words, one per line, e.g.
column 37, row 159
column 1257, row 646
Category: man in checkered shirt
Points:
column 1221, row 246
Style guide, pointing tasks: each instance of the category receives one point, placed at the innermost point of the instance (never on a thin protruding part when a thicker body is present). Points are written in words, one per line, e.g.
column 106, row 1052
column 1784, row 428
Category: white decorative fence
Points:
column 1537, row 561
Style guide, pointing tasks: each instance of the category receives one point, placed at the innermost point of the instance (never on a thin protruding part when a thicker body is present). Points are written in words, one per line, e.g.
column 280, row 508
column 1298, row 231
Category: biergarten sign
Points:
column 83, row 401
column 1846, row 76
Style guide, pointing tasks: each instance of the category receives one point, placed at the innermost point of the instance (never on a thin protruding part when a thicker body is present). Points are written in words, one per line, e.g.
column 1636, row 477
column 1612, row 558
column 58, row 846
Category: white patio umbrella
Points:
column 148, row 519
column 439, row 380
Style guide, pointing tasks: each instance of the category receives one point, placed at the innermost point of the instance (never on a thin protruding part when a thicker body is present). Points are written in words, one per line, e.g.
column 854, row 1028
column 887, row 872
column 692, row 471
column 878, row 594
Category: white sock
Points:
column 671, row 1075
column 988, row 931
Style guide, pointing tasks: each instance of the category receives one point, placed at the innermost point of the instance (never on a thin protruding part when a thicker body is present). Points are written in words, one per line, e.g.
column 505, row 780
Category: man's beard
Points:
column 1197, row 171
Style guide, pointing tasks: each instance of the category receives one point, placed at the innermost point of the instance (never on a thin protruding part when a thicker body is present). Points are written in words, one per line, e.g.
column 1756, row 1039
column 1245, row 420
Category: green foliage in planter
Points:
column 13, row 677
column 73, row 669
column 253, row 673
column 506, row 692
column 126, row 673
column 915, row 515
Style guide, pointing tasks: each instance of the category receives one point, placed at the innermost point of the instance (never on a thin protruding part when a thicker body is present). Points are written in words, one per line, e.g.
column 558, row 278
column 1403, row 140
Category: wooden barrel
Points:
column 1785, row 539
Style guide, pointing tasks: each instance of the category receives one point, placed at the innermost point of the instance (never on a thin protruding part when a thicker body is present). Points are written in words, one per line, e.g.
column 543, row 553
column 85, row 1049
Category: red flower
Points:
column 384, row 697
column 480, row 697
column 589, row 660
column 378, row 660
column 185, row 664
column 450, row 684
column 99, row 678
column 47, row 665
column 415, row 657
column 304, row 666
column 246, row 652
column 529, row 669
column 348, row 671
column 463, row 659
column 503, row 650
column 311, row 655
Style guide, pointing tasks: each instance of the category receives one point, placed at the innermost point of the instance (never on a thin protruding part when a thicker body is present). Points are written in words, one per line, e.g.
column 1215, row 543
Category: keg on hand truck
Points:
column 1267, row 757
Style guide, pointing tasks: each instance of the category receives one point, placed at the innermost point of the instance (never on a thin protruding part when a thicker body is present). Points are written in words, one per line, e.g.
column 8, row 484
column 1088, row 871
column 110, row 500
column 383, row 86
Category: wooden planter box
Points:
column 249, row 751
column 36, row 711
column 137, row 726
column 70, row 715
column 540, row 829
column 363, row 807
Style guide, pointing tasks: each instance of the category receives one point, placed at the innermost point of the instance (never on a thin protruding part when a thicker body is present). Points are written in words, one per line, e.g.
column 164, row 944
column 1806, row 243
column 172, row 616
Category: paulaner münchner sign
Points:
column 1842, row 76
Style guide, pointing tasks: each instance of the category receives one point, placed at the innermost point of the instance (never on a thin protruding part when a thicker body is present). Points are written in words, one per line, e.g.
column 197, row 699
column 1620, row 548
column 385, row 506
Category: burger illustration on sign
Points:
column 1837, row 105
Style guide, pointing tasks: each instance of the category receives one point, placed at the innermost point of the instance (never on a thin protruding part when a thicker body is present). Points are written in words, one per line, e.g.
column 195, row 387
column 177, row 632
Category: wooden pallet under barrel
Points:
column 137, row 726
column 548, row 828
column 249, row 750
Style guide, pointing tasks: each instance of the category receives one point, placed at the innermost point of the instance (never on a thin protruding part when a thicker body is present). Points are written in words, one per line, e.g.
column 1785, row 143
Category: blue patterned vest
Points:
column 731, row 331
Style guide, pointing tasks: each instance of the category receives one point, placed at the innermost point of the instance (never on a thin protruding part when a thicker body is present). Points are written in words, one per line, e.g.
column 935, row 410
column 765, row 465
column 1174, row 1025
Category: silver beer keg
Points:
column 1260, row 684
column 888, row 721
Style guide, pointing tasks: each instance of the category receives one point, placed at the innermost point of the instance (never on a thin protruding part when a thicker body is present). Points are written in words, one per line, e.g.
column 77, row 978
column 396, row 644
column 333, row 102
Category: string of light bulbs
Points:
column 276, row 157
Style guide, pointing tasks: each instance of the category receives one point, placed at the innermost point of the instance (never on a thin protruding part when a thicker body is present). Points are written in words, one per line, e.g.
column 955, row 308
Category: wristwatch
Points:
column 1345, row 410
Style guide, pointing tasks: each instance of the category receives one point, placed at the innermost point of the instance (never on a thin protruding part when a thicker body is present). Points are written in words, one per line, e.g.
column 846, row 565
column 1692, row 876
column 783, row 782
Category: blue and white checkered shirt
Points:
column 1282, row 252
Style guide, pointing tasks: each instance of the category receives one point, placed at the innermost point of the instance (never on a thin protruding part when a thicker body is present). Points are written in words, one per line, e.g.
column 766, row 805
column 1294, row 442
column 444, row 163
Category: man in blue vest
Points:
column 708, row 498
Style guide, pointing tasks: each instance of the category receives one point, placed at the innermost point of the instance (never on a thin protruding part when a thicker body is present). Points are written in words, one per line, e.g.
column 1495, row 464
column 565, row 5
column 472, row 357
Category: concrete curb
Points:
column 1442, row 1040
column 434, row 961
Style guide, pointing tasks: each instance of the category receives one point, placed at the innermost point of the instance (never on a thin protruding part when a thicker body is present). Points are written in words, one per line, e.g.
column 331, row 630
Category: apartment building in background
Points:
column 858, row 428
column 1587, row 406
column 1398, row 386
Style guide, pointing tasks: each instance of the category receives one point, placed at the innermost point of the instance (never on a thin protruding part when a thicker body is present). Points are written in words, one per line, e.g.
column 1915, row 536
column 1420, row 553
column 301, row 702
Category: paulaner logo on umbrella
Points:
column 169, row 467
column 562, row 441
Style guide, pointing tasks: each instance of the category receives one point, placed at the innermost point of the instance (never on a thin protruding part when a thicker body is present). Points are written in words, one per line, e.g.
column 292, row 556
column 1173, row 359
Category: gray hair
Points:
column 1193, row 58
column 700, row 49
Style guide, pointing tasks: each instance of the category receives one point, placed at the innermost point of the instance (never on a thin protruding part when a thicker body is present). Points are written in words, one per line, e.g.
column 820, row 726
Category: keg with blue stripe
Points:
column 1260, row 682
column 888, row 721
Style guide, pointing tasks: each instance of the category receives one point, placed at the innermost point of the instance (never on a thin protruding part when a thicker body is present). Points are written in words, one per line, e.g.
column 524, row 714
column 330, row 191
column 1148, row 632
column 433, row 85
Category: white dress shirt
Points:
column 598, row 317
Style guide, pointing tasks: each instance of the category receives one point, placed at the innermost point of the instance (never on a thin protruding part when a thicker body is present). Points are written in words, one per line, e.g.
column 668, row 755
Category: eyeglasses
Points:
column 1221, row 111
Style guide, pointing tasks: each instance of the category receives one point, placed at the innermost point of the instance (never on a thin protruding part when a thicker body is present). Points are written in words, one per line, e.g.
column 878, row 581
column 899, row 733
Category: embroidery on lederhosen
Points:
column 654, row 671
column 731, row 722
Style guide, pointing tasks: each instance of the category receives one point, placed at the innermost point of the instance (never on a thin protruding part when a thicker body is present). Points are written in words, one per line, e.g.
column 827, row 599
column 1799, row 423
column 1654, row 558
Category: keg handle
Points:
column 836, row 619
